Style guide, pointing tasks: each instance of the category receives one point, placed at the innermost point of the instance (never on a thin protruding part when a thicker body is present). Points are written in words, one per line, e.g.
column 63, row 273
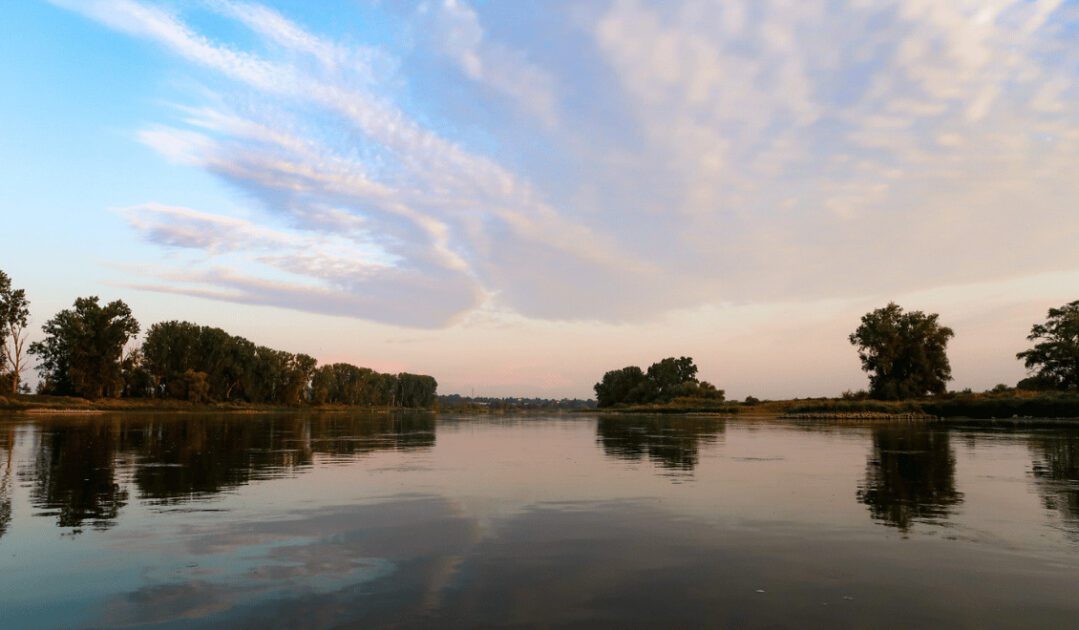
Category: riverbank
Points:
column 988, row 406
column 72, row 405
column 985, row 406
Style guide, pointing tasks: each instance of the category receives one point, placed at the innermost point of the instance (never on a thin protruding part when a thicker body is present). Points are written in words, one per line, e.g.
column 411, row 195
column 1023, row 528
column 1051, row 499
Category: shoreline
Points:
column 854, row 418
column 62, row 405
column 1015, row 409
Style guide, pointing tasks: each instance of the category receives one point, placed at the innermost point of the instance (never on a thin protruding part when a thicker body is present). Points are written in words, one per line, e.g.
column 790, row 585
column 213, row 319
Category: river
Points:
column 419, row 520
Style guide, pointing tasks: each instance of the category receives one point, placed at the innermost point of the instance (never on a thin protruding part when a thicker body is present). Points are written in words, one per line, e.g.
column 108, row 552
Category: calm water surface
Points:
column 413, row 521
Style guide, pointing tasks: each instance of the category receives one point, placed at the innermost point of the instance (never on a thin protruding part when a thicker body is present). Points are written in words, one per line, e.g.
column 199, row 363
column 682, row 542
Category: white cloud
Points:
column 689, row 153
column 333, row 273
column 457, row 32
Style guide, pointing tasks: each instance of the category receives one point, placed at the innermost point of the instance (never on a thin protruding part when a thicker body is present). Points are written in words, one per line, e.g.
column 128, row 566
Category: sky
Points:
column 517, row 196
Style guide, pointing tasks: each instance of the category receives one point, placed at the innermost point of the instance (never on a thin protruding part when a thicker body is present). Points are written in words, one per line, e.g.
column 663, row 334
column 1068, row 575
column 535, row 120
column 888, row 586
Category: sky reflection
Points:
column 572, row 520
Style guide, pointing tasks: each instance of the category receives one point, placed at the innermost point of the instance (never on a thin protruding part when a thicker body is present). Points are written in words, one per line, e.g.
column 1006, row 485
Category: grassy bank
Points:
column 65, row 404
column 989, row 405
column 681, row 406
column 962, row 405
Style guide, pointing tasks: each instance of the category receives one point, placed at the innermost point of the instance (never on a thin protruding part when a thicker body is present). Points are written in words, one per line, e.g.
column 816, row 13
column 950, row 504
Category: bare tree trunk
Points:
column 14, row 355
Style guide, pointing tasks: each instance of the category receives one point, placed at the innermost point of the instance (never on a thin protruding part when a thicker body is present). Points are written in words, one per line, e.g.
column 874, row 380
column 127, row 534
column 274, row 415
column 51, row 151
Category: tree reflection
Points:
column 673, row 443
column 910, row 476
column 82, row 469
column 74, row 475
column 181, row 460
column 1056, row 471
column 7, row 448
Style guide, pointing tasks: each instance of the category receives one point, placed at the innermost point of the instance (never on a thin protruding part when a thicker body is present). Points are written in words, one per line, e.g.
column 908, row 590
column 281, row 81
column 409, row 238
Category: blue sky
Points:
column 516, row 196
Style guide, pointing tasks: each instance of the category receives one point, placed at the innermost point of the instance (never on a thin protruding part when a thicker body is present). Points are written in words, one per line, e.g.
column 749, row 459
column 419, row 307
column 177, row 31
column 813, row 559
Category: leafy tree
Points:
column 620, row 386
column 670, row 376
column 704, row 389
column 82, row 349
column 1035, row 383
column 196, row 386
column 14, row 317
column 323, row 385
column 138, row 382
column 1054, row 359
column 904, row 353
column 168, row 351
column 172, row 348
column 415, row 390
column 299, row 368
column 664, row 381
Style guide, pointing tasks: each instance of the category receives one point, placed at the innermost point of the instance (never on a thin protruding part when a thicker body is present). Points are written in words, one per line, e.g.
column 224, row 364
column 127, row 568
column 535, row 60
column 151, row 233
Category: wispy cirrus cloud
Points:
column 693, row 153
column 457, row 33
column 316, row 271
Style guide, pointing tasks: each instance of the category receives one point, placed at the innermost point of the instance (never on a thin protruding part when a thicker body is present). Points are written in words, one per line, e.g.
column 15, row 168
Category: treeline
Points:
column 83, row 354
column 456, row 402
column 664, row 382
column 185, row 361
column 905, row 355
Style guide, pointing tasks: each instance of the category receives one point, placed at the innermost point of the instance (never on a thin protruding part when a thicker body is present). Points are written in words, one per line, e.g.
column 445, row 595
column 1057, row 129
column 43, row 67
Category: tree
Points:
column 665, row 380
column 299, row 368
column 138, row 382
column 672, row 378
column 904, row 353
column 196, row 386
column 82, row 350
column 415, row 390
column 14, row 317
column 1054, row 360
column 620, row 386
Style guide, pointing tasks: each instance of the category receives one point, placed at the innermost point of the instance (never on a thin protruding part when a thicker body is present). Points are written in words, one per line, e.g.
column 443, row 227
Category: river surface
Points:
column 517, row 521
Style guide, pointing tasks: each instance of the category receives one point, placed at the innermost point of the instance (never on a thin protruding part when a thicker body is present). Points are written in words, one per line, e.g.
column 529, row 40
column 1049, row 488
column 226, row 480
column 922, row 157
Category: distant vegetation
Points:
column 184, row 361
column 85, row 354
column 995, row 403
column 456, row 402
column 905, row 355
column 664, row 382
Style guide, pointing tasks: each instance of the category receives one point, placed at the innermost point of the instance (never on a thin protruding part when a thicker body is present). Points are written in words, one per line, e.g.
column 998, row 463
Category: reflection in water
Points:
column 181, row 460
column 79, row 466
column 1056, row 471
column 673, row 443
column 529, row 521
column 74, row 475
column 7, row 465
column 910, row 476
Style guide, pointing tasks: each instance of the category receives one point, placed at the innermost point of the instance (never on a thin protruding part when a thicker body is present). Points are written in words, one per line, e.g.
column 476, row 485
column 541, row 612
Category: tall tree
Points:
column 671, row 378
column 905, row 354
column 14, row 318
column 299, row 368
column 415, row 390
column 83, row 346
column 1054, row 359
column 620, row 386
column 664, row 381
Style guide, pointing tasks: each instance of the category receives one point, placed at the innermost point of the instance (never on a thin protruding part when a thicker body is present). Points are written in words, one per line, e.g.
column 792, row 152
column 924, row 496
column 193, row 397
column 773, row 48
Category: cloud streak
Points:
column 692, row 153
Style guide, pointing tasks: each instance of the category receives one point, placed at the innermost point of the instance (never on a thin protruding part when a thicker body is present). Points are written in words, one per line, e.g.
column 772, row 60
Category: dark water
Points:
column 409, row 521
